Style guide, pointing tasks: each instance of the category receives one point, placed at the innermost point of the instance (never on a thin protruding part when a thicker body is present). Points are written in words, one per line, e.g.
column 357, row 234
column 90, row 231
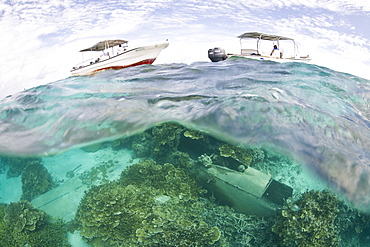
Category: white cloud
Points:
column 42, row 37
column 29, row 60
column 342, row 6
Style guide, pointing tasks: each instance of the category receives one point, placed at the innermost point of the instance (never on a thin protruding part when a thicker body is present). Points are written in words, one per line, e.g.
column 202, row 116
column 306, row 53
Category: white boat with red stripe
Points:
column 115, row 54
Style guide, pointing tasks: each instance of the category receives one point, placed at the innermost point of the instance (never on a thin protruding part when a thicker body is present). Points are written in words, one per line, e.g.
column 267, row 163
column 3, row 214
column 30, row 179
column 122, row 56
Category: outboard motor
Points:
column 217, row 54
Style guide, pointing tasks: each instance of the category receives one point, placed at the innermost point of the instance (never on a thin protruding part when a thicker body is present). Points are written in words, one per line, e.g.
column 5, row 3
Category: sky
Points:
column 40, row 39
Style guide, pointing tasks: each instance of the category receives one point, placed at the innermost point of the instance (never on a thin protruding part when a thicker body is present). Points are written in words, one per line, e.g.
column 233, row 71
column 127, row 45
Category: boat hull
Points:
column 275, row 59
column 134, row 57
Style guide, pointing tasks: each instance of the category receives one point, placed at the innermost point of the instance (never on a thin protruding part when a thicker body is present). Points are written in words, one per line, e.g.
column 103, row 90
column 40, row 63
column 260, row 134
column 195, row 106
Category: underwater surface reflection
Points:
column 240, row 153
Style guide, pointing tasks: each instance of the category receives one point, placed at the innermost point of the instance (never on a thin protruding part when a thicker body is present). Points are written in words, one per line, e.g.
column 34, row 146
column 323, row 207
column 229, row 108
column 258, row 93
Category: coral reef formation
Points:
column 22, row 216
column 193, row 134
column 180, row 159
column 36, row 180
column 157, row 202
column 110, row 213
column 98, row 174
column 164, row 140
column 353, row 226
column 310, row 221
column 5, row 237
column 170, row 181
column 16, row 165
column 23, row 225
column 167, row 134
column 142, row 144
column 242, row 155
column 240, row 229
column 150, row 205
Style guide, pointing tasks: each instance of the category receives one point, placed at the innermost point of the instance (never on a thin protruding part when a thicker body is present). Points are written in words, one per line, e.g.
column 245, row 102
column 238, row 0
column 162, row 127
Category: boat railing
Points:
column 101, row 58
column 90, row 61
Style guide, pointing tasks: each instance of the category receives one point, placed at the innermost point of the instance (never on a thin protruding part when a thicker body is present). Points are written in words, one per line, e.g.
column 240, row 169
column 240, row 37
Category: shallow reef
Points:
column 353, row 226
column 97, row 174
column 150, row 205
column 164, row 140
column 244, row 156
column 158, row 202
column 14, row 166
column 36, row 180
column 23, row 225
column 319, row 218
column 309, row 221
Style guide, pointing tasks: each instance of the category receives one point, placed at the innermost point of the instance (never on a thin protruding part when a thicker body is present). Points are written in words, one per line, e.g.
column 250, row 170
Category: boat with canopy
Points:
column 114, row 54
column 261, row 46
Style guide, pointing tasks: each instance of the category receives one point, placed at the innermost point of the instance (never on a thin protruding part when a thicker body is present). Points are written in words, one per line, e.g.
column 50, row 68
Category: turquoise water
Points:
column 315, row 115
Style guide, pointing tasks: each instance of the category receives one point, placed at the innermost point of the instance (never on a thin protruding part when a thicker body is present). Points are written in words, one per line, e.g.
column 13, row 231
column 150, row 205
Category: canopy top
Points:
column 102, row 45
column 262, row 36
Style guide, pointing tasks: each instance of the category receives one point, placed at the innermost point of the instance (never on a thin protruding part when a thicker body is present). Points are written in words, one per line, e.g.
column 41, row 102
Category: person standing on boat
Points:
column 274, row 49
column 119, row 49
column 277, row 51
